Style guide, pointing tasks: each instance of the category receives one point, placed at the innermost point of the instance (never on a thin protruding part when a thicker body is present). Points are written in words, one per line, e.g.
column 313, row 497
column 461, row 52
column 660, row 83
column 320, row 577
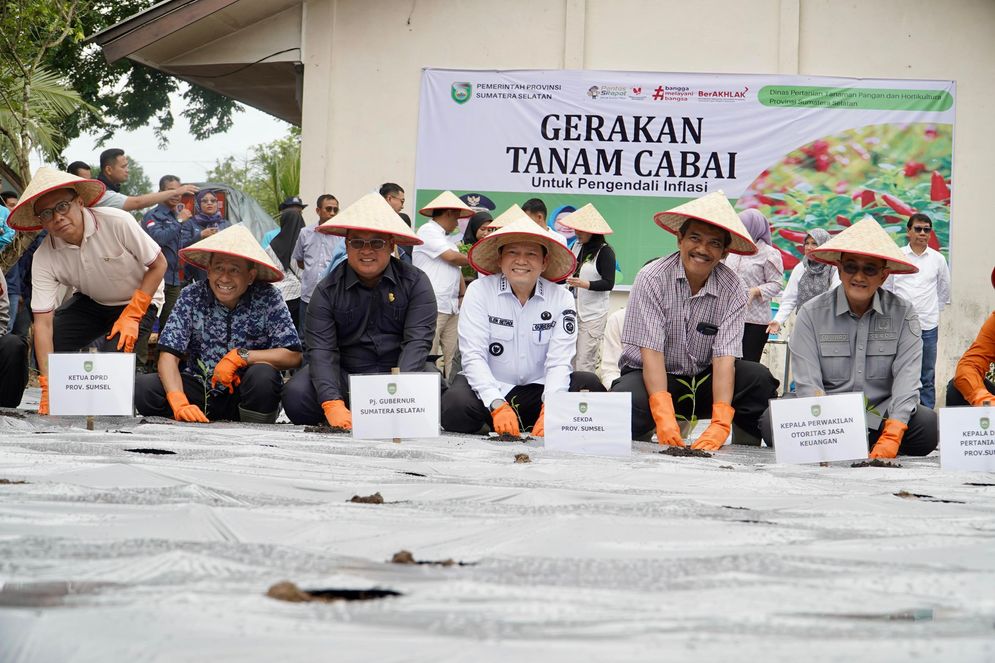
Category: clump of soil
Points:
column 13, row 414
column 405, row 557
column 375, row 498
column 288, row 591
column 875, row 462
column 522, row 458
column 337, row 430
column 682, row 452
column 412, row 474
column 505, row 437
column 154, row 452
column 8, row 482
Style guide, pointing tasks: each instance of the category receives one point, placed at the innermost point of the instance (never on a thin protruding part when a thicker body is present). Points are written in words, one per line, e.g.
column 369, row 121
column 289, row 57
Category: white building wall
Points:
column 362, row 130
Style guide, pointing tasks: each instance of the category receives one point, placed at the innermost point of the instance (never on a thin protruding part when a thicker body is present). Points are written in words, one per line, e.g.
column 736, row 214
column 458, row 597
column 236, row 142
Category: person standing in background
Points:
column 761, row 273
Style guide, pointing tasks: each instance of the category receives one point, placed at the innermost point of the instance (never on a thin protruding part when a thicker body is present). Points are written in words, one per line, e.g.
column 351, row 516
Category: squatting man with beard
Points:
column 517, row 334
column 684, row 326
column 227, row 339
column 101, row 254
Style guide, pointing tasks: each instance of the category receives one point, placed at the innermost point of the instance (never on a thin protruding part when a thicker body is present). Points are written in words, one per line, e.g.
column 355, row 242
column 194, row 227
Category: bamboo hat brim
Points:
column 447, row 200
column 510, row 215
column 370, row 213
column 587, row 219
column 486, row 259
column 713, row 209
column 45, row 181
column 865, row 238
column 234, row 241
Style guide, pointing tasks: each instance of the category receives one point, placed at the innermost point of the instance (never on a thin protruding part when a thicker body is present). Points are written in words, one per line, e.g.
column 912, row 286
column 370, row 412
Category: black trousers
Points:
column 956, row 399
column 13, row 369
column 921, row 438
column 81, row 321
column 754, row 340
column 259, row 392
column 300, row 400
column 754, row 386
column 463, row 411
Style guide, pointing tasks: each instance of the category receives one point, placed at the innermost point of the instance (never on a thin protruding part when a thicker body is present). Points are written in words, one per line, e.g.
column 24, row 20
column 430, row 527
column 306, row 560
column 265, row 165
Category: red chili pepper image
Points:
column 789, row 259
column 897, row 205
column 822, row 162
column 791, row 235
column 867, row 197
column 934, row 241
column 913, row 168
column 843, row 221
column 938, row 189
column 766, row 200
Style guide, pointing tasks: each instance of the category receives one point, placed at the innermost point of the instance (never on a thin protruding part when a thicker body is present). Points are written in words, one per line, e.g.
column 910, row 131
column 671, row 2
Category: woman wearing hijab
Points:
column 762, row 274
column 206, row 221
column 555, row 223
column 478, row 227
column 808, row 279
column 592, row 281
column 281, row 250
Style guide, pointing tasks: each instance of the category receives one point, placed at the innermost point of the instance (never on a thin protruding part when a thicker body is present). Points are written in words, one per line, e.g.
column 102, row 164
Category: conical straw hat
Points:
column 513, row 213
column 371, row 213
column 865, row 238
column 714, row 209
column 45, row 180
column 234, row 241
column 484, row 256
column 447, row 200
column 587, row 219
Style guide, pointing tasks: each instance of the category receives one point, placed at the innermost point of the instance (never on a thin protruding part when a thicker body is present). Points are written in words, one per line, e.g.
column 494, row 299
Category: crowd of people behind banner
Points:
column 247, row 328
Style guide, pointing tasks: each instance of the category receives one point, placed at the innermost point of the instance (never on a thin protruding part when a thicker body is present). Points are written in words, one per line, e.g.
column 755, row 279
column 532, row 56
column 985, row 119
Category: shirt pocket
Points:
column 542, row 332
column 881, row 358
column 836, row 361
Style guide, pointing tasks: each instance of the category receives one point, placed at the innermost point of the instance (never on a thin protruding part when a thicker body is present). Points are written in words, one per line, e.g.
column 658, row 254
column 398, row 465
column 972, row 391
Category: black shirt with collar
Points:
column 352, row 328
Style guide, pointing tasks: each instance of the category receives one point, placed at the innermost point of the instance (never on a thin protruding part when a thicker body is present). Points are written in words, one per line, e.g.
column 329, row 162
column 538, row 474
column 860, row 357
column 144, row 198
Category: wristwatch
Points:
column 243, row 354
column 496, row 403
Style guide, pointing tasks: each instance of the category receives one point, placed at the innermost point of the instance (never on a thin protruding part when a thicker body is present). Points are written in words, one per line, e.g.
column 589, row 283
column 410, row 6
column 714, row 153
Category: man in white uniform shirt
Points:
column 929, row 291
column 114, row 268
column 517, row 334
column 440, row 258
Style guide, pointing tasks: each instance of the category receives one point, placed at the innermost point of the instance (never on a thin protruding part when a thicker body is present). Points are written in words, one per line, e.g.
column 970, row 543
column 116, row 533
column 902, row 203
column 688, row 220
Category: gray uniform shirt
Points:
column 879, row 353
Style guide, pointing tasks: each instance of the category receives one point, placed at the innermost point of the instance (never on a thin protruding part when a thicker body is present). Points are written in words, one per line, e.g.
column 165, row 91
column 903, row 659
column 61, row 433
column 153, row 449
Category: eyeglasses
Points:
column 331, row 209
column 46, row 215
column 359, row 244
column 852, row 268
column 921, row 230
column 208, row 201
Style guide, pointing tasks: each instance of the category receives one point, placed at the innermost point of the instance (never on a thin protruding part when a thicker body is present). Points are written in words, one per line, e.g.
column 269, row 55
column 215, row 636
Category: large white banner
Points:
column 807, row 151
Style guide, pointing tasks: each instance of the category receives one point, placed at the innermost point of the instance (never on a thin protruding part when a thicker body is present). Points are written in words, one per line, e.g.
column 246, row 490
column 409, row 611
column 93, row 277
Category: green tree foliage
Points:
column 269, row 175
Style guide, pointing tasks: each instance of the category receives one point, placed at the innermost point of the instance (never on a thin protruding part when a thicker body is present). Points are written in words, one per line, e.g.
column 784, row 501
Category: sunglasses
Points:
column 852, row 268
column 331, row 209
column 921, row 230
column 360, row 244
column 46, row 215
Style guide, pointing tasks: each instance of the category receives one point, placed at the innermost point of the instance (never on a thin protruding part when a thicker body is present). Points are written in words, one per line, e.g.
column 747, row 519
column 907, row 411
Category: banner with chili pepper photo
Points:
column 809, row 152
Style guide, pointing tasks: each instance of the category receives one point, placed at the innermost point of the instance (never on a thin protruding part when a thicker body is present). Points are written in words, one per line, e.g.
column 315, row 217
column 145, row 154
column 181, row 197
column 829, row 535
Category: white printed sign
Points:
column 91, row 383
column 967, row 439
column 819, row 429
column 589, row 423
column 398, row 405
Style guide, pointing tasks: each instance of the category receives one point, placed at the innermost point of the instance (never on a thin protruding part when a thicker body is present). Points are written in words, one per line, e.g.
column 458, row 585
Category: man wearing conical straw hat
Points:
column 102, row 254
column 371, row 313
column 683, row 333
column 438, row 256
column 860, row 337
column 226, row 339
column 517, row 334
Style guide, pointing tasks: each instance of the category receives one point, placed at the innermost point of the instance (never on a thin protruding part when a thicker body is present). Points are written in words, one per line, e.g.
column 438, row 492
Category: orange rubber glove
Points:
column 662, row 409
column 890, row 439
column 506, row 421
column 715, row 435
column 43, row 405
column 982, row 397
column 127, row 323
column 337, row 414
column 226, row 371
column 539, row 428
column 184, row 410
